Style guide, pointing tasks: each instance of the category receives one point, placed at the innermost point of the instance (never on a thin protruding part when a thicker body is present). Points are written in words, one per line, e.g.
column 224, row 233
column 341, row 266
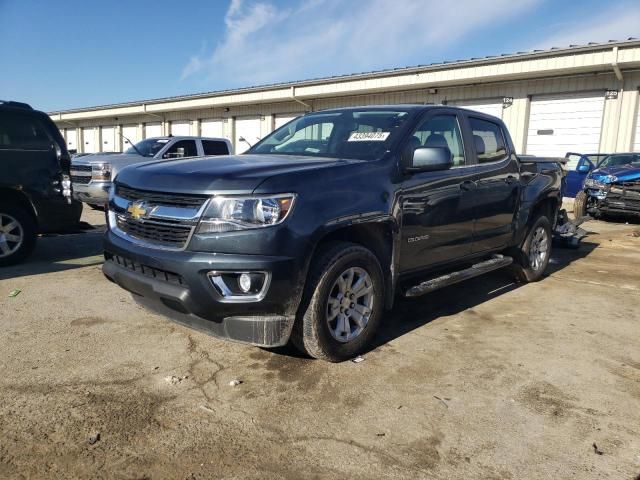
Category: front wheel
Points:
column 341, row 308
column 532, row 257
column 580, row 205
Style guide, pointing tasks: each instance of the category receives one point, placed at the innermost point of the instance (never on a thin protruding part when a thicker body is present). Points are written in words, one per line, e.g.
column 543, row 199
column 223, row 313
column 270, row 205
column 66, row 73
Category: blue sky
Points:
column 67, row 54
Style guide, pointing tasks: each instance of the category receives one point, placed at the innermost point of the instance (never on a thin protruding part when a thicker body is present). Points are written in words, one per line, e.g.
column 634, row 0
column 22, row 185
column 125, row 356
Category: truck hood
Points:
column 208, row 175
column 121, row 159
column 623, row 173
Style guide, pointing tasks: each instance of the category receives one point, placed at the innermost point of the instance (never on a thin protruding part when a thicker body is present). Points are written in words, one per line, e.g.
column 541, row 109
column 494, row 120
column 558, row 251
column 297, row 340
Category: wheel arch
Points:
column 20, row 198
column 376, row 236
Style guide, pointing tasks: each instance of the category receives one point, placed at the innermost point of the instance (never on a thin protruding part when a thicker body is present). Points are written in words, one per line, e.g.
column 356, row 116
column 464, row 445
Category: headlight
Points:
column 591, row 183
column 610, row 179
column 101, row 172
column 226, row 214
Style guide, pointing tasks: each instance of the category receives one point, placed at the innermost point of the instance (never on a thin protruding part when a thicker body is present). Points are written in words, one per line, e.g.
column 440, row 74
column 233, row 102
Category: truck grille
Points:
column 167, row 221
column 158, row 198
column 145, row 270
column 80, row 180
column 174, row 235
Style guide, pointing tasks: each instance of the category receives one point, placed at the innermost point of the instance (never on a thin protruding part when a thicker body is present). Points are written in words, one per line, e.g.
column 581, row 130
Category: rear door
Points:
column 497, row 184
column 28, row 158
column 437, row 207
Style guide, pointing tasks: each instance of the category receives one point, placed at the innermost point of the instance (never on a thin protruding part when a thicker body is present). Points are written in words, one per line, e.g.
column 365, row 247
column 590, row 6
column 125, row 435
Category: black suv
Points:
column 35, row 190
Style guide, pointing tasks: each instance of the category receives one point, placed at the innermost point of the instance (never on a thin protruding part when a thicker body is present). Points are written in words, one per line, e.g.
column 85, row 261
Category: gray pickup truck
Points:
column 91, row 175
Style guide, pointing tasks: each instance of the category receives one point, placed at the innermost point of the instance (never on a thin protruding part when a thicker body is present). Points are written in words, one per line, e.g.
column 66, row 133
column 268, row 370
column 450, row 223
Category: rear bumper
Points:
column 55, row 213
column 176, row 285
column 95, row 193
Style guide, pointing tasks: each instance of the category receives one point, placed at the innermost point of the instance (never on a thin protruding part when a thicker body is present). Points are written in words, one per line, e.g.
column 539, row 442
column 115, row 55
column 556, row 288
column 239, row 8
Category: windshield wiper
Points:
column 132, row 145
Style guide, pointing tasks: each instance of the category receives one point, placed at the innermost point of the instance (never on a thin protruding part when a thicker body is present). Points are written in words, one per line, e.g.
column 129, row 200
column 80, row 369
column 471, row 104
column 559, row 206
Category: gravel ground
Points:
column 487, row 379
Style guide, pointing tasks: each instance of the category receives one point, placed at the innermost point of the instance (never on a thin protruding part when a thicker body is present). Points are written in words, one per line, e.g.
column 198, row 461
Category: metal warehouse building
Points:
column 582, row 98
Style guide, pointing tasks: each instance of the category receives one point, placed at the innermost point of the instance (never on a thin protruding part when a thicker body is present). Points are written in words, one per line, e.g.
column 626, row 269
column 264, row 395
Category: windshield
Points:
column 619, row 160
column 354, row 134
column 149, row 147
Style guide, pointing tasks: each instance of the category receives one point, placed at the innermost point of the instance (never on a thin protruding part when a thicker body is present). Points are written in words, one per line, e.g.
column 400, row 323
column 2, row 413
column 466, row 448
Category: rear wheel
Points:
column 342, row 304
column 532, row 257
column 17, row 234
column 580, row 205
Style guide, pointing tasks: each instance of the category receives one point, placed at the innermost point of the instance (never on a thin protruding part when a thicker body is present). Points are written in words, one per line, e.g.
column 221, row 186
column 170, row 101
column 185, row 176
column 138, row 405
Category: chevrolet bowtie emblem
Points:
column 138, row 210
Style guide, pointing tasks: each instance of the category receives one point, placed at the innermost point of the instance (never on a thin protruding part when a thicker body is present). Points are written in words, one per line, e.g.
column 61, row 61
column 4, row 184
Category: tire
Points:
column 337, row 268
column 526, row 267
column 580, row 205
column 18, row 234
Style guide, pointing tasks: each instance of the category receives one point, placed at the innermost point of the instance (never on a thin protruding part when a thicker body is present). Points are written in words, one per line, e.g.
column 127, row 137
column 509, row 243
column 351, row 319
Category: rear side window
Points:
column 182, row 148
column 22, row 132
column 211, row 147
column 489, row 140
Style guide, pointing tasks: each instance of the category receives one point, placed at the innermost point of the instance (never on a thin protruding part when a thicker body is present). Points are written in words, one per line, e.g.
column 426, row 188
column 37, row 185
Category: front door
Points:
column 497, row 181
column 437, row 207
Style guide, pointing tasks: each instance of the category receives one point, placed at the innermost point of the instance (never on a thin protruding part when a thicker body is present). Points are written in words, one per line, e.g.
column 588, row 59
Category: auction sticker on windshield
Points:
column 368, row 136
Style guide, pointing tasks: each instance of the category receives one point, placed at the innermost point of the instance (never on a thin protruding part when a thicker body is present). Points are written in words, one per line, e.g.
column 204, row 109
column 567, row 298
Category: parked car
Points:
column 578, row 166
column 310, row 235
column 91, row 175
column 35, row 190
column 611, row 189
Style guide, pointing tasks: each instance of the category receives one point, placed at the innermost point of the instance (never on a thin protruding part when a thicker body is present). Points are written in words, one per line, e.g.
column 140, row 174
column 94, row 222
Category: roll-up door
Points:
column 249, row 129
column 181, row 129
column 492, row 107
column 636, row 144
column 211, row 128
column 153, row 130
column 129, row 134
column 282, row 119
column 89, row 140
column 108, row 139
column 72, row 139
column 565, row 123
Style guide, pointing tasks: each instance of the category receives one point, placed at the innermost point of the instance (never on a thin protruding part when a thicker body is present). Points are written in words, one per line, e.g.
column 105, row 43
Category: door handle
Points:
column 467, row 185
column 510, row 179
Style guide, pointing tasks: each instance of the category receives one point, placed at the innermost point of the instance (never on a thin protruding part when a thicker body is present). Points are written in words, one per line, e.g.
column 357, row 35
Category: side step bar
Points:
column 496, row 262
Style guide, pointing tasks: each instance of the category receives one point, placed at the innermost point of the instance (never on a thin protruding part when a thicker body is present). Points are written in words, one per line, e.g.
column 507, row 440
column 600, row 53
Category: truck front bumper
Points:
column 177, row 285
column 94, row 193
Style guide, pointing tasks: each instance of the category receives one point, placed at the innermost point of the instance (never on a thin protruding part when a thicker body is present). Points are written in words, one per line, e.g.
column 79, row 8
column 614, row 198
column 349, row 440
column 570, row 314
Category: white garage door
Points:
column 490, row 108
column 181, row 129
column 282, row 119
column 153, row 130
column 249, row 129
column 108, row 139
column 211, row 128
column 636, row 145
column 129, row 133
column 72, row 139
column 565, row 123
column 89, row 140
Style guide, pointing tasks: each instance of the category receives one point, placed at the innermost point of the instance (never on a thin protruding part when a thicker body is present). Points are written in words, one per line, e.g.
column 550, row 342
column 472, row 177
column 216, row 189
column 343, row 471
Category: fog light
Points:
column 244, row 282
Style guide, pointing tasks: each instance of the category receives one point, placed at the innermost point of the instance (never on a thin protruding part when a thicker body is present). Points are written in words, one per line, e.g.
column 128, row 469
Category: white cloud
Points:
column 263, row 43
column 619, row 23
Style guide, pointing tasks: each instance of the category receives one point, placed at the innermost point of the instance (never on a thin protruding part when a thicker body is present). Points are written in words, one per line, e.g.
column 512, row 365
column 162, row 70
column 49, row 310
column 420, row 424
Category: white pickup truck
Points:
column 91, row 175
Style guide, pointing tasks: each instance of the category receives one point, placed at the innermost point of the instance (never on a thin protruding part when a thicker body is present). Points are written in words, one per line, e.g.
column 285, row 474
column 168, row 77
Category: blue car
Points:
column 613, row 188
column 578, row 167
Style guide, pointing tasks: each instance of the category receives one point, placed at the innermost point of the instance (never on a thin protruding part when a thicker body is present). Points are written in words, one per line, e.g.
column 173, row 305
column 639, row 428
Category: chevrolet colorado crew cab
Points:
column 311, row 234
column 35, row 189
column 91, row 174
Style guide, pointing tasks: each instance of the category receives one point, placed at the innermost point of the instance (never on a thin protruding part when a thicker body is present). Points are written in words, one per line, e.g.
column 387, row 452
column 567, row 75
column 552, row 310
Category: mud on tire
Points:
column 342, row 304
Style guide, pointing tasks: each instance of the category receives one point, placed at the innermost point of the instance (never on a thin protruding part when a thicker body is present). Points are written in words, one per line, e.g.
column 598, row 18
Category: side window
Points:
column 22, row 132
column 440, row 131
column 488, row 139
column 212, row 147
column 181, row 149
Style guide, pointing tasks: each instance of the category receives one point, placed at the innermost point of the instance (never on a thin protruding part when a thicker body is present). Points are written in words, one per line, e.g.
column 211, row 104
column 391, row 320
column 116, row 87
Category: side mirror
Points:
column 429, row 159
column 584, row 166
